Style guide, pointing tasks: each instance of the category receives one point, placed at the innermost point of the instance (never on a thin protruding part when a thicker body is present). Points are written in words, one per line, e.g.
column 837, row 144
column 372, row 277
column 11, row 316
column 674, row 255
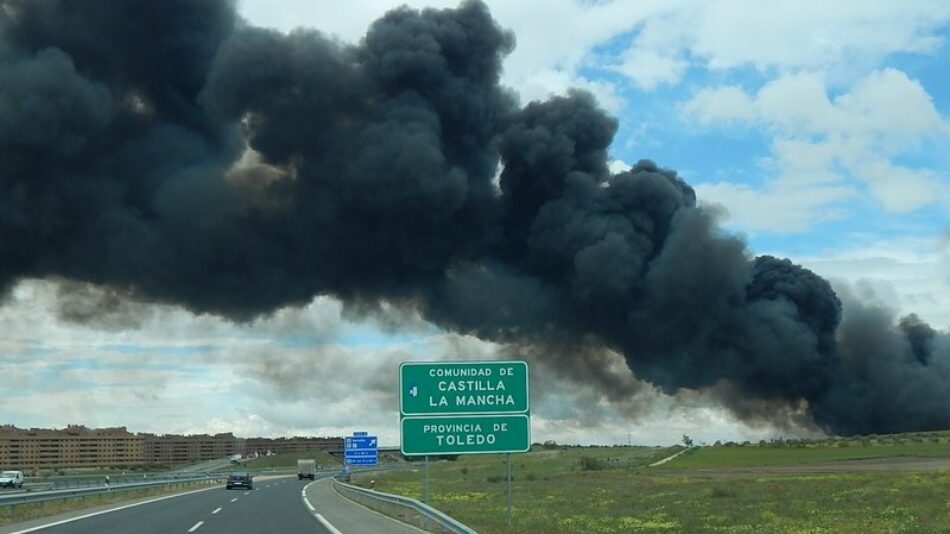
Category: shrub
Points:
column 589, row 463
column 722, row 493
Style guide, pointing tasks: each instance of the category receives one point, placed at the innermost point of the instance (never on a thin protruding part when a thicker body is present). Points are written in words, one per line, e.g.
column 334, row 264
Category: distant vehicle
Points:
column 344, row 475
column 11, row 479
column 235, row 458
column 243, row 480
column 306, row 469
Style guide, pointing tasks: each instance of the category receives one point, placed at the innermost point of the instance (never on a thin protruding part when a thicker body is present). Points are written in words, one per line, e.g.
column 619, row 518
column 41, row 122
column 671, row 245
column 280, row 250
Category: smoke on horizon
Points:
column 173, row 153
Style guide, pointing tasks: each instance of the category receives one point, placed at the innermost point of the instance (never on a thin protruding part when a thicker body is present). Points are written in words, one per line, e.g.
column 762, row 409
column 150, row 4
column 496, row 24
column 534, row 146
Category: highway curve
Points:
column 275, row 505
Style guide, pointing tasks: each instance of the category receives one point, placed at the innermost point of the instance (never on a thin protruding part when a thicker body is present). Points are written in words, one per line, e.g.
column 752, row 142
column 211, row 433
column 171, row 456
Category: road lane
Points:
column 275, row 505
column 349, row 517
column 271, row 507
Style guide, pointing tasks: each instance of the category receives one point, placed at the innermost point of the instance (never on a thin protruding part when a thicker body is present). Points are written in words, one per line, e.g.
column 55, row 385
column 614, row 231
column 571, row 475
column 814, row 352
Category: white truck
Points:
column 11, row 479
column 306, row 469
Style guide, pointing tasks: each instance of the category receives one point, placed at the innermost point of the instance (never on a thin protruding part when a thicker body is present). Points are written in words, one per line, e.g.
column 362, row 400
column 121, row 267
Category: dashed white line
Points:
column 216, row 510
column 196, row 526
column 247, row 493
column 234, row 499
column 116, row 509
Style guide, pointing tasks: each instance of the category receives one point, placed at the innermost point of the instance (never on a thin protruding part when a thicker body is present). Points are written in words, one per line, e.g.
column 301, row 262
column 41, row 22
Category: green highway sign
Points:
column 452, row 388
column 465, row 434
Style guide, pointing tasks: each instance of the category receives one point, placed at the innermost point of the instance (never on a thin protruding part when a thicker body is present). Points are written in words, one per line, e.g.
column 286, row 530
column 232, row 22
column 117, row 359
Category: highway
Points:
column 275, row 505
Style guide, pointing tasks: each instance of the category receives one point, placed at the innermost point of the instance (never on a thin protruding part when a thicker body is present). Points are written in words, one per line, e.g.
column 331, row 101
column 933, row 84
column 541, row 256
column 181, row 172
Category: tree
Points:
column 688, row 441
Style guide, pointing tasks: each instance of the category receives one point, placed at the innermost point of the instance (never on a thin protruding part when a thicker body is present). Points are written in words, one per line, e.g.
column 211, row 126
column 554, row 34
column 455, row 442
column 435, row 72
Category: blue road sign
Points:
column 360, row 449
column 361, row 442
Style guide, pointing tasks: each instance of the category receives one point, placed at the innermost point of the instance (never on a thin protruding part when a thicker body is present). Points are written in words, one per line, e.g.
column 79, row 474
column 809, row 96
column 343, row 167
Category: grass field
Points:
column 755, row 456
column 288, row 460
column 612, row 490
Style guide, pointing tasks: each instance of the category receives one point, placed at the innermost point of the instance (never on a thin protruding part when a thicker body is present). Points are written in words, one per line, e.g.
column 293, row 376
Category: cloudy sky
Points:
column 821, row 129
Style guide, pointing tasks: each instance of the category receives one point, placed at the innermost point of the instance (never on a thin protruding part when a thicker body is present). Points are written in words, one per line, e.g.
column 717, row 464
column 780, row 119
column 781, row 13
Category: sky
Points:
column 820, row 130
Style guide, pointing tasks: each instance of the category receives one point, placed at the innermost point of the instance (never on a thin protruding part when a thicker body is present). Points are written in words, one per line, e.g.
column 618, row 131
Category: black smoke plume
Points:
column 169, row 151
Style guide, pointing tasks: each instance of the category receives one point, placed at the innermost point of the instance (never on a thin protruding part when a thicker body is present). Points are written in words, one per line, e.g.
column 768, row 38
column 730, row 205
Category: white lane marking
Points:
column 116, row 509
column 216, row 510
column 196, row 527
column 326, row 524
column 234, row 499
column 323, row 521
column 247, row 493
column 307, row 502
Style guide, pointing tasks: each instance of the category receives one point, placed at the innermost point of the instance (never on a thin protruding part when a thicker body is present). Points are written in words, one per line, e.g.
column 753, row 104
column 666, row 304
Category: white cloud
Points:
column 650, row 69
column 840, row 144
column 775, row 208
column 618, row 165
column 799, row 104
column 906, row 274
column 813, row 35
column 719, row 105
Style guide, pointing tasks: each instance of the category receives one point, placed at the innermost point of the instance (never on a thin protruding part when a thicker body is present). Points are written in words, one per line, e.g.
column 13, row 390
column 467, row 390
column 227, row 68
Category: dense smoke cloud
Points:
column 169, row 151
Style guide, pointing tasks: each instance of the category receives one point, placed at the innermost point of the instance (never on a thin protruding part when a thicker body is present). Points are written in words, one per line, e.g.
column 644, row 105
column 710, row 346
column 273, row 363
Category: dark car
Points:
column 240, row 480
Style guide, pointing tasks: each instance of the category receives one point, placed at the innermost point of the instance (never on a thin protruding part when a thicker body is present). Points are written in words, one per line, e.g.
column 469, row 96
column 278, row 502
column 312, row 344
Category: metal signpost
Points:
column 478, row 407
column 360, row 449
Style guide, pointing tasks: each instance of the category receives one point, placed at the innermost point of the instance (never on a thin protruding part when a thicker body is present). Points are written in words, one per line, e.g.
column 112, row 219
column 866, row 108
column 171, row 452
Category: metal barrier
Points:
column 29, row 497
column 85, row 481
column 422, row 515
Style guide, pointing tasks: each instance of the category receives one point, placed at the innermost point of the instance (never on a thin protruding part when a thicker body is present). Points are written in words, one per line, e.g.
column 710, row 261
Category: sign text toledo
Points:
column 464, row 407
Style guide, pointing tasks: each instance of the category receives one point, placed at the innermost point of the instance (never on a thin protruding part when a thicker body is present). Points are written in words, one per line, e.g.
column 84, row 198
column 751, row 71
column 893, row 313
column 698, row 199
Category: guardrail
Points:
column 29, row 497
column 84, row 481
column 420, row 514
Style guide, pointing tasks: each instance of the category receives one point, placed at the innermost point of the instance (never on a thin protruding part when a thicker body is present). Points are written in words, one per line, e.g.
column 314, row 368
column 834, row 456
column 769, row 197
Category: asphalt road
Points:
column 348, row 517
column 274, row 505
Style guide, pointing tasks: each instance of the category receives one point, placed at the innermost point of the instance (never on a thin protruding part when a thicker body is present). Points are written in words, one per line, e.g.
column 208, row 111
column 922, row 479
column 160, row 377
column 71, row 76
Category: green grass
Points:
column 756, row 456
column 558, row 491
column 287, row 460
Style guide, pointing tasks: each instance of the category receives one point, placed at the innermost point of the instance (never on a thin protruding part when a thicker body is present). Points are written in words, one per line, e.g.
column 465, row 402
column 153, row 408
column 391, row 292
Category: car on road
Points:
column 240, row 480
column 11, row 479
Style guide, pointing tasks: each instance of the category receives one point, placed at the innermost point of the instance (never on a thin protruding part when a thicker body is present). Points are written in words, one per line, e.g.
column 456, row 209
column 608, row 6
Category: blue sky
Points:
column 821, row 128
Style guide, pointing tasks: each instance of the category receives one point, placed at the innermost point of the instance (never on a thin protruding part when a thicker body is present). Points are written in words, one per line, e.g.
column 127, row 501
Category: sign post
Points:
column 465, row 407
column 508, row 476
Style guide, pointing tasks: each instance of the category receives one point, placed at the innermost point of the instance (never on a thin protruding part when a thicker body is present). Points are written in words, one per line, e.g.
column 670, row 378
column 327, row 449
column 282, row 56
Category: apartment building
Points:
column 77, row 446
column 172, row 449
column 73, row 446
